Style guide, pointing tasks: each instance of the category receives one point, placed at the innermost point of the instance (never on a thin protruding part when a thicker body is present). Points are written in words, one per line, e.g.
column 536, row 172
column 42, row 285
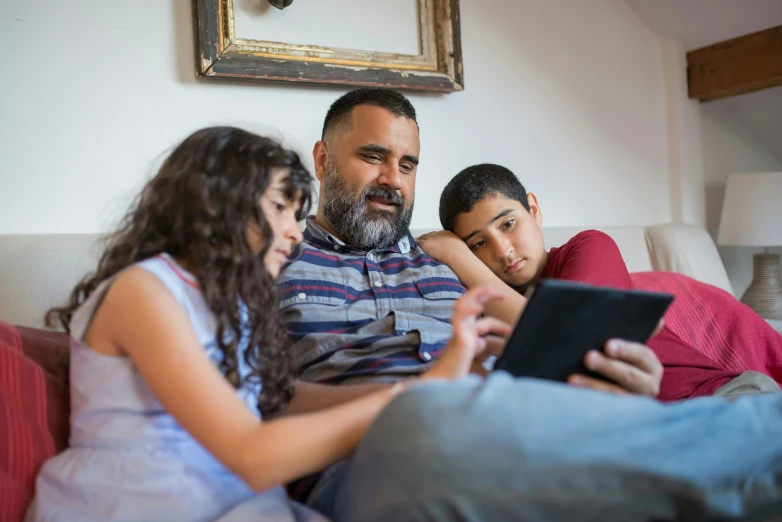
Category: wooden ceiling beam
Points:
column 745, row 64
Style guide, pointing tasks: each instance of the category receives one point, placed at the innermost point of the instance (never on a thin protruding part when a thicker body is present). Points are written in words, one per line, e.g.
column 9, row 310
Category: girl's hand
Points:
column 442, row 245
column 468, row 347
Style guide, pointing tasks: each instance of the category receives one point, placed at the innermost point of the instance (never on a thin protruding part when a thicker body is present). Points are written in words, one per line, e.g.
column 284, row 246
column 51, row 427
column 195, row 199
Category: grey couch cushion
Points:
column 39, row 271
column 687, row 249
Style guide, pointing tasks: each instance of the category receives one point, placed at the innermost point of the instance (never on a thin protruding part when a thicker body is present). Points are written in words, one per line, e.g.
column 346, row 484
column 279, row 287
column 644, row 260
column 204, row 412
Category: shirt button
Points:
column 336, row 247
column 426, row 356
column 302, row 295
column 378, row 283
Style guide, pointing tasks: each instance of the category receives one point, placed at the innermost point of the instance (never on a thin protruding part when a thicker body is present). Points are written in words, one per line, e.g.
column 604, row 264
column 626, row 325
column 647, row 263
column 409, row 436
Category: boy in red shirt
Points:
column 492, row 235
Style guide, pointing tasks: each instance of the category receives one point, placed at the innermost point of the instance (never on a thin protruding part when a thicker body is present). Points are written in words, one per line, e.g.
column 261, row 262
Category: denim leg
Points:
column 524, row 449
column 324, row 494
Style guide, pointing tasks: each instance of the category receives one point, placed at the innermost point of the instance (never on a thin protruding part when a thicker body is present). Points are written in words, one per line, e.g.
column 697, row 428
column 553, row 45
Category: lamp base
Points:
column 764, row 295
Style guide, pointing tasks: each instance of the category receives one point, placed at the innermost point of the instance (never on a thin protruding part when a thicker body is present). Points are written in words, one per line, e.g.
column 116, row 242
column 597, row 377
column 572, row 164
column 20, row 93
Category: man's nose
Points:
column 390, row 175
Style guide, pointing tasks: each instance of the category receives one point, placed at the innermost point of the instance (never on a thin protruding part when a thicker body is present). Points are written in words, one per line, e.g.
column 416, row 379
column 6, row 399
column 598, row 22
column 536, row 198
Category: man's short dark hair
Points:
column 475, row 183
column 341, row 111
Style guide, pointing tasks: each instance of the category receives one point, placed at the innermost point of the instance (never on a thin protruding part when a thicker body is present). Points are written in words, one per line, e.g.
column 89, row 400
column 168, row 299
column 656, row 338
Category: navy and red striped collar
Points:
column 316, row 235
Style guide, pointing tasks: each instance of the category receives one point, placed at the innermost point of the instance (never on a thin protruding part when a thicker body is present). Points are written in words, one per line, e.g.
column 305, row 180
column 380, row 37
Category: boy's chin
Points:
column 519, row 281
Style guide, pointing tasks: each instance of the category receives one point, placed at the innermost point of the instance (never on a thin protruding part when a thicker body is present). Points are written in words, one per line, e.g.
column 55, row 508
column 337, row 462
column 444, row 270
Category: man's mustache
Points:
column 381, row 192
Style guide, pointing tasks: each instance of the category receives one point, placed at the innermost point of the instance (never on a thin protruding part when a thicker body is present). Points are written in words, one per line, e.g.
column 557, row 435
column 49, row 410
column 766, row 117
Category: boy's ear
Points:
column 534, row 208
column 319, row 157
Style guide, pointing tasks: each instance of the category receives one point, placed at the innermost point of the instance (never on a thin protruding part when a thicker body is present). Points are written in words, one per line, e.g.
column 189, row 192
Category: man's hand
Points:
column 632, row 368
column 442, row 245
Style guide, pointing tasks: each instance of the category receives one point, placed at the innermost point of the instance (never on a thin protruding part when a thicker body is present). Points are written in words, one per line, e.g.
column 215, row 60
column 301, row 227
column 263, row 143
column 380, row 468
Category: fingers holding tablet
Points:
column 631, row 368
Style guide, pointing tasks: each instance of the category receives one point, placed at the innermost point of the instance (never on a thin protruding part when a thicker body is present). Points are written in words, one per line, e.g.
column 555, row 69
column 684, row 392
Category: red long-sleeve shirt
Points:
column 593, row 257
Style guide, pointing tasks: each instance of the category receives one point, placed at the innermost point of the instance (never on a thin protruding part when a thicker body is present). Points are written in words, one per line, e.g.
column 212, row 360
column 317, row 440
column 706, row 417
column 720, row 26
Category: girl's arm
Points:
column 140, row 318
column 310, row 397
column 448, row 248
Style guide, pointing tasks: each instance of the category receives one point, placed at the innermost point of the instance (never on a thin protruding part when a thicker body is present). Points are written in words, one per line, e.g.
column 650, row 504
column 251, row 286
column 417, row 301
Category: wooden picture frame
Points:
column 220, row 53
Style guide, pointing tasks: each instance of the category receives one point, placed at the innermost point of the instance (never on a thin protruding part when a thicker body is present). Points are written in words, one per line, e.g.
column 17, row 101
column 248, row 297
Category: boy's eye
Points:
column 478, row 244
column 508, row 224
column 279, row 207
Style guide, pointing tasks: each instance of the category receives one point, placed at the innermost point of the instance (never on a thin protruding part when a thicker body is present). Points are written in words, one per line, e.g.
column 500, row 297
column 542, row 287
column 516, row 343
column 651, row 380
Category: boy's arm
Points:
column 446, row 247
column 590, row 257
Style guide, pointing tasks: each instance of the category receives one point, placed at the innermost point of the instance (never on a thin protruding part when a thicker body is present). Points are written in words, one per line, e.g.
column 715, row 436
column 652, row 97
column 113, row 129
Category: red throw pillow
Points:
column 33, row 401
column 51, row 351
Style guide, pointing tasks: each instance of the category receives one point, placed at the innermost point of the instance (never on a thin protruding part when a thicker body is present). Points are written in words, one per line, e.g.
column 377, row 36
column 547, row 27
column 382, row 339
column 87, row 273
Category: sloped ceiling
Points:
column 698, row 23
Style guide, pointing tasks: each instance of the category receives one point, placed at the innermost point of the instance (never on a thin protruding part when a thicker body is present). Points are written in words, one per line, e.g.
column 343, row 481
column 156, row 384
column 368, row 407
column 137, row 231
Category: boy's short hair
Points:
column 474, row 184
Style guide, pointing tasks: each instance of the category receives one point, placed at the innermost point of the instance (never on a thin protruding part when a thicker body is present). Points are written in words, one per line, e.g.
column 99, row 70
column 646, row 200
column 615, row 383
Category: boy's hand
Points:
column 441, row 245
column 632, row 367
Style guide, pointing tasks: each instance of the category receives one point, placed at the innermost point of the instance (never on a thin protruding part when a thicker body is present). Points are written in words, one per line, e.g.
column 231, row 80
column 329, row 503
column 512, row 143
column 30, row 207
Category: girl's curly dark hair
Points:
column 198, row 208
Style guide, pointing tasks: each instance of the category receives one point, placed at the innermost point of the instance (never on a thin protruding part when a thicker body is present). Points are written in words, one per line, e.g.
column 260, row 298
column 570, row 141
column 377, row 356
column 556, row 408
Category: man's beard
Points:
column 358, row 224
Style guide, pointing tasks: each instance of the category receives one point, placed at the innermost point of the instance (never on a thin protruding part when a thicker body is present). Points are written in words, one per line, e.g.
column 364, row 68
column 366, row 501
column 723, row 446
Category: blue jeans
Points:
column 523, row 449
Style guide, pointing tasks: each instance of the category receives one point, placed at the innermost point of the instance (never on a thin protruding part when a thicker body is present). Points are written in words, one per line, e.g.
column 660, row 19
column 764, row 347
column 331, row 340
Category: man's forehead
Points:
column 372, row 124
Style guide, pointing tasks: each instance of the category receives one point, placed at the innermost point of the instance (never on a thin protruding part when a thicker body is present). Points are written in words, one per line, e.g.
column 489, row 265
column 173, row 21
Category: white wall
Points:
column 569, row 94
column 709, row 141
column 685, row 156
column 729, row 148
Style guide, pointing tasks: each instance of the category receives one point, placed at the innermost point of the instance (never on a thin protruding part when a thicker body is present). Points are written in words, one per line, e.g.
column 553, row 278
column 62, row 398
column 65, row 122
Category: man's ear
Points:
column 320, row 156
column 534, row 208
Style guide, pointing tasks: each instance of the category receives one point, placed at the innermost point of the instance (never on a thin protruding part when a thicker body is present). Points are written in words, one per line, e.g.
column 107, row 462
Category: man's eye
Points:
column 371, row 158
column 406, row 168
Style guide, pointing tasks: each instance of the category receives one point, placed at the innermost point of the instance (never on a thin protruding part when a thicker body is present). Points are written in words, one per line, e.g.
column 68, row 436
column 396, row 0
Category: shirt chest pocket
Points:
column 311, row 302
column 439, row 296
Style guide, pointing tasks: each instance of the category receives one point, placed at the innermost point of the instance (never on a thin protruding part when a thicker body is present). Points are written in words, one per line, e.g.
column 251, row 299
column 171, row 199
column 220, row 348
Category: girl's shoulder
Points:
column 148, row 278
column 170, row 273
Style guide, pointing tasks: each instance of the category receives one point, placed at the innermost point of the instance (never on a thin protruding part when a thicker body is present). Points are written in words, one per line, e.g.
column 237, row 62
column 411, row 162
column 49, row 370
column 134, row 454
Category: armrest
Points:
column 688, row 250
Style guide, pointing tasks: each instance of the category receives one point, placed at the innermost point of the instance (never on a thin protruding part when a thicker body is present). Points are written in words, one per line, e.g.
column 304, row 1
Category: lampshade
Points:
column 752, row 211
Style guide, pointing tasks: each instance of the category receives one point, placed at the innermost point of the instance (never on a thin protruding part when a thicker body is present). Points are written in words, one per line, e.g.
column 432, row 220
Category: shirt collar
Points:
column 316, row 234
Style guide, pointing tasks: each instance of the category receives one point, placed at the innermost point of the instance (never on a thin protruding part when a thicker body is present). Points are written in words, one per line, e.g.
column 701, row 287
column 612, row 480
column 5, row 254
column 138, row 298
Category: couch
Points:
column 39, row 271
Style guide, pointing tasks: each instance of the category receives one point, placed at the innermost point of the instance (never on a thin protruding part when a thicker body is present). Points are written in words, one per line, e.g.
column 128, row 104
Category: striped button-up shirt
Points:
column 357, row 316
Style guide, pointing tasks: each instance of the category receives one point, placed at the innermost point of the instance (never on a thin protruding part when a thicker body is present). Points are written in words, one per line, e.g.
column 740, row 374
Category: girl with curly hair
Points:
column 177, row 349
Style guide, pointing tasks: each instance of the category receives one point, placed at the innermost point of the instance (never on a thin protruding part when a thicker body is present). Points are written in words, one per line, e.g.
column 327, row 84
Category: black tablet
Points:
column 564, row 320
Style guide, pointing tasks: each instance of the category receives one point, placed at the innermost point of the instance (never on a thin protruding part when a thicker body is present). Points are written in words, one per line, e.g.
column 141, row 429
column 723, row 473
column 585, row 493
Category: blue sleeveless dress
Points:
column 128, row 458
